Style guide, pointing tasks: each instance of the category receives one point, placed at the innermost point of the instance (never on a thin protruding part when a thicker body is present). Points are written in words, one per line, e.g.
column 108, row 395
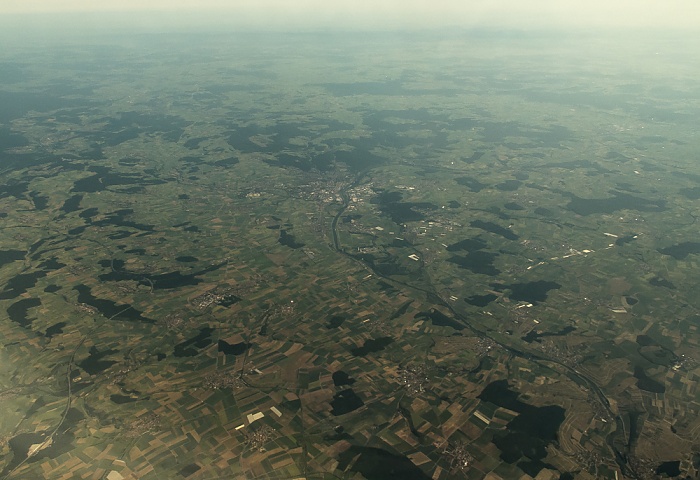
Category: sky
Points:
column 663, row 14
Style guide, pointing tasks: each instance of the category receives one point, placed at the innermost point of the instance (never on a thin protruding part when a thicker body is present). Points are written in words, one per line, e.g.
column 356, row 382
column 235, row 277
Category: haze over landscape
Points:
column 557, row 14
column 360, row 240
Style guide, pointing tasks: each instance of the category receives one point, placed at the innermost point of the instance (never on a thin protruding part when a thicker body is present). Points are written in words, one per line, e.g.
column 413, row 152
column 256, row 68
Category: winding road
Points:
column 620, row 456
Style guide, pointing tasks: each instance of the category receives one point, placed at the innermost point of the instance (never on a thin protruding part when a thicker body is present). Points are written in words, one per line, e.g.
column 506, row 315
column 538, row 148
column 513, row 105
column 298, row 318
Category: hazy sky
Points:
column 397, row 13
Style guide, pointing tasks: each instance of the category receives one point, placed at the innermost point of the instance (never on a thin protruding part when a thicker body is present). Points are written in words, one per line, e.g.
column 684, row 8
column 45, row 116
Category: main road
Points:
column 620, row 456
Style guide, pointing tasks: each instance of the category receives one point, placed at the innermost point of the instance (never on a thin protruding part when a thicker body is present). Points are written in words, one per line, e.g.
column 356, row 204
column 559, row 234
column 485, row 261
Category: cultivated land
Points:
column 393, row 256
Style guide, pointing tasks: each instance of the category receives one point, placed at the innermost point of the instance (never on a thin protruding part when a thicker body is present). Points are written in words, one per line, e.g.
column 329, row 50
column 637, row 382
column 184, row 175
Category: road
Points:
column 620, row 456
